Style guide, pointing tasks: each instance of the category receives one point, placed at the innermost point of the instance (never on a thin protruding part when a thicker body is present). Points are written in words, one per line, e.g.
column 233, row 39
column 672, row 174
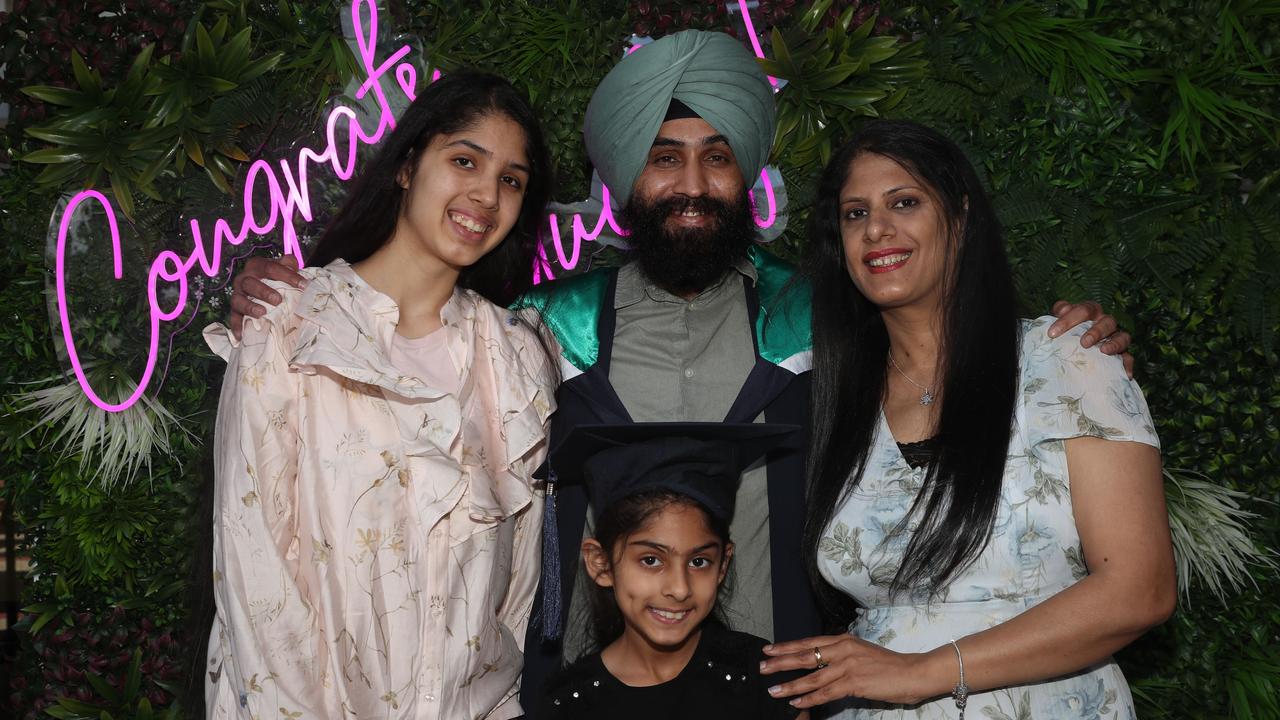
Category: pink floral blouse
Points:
column 375, row 540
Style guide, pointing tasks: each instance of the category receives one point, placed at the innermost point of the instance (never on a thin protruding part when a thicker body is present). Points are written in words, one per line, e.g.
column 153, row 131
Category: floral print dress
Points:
column 1066, row 391
column 376, row 538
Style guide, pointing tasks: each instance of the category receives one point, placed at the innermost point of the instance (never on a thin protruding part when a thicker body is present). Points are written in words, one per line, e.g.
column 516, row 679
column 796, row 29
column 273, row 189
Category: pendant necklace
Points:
column 926, row 397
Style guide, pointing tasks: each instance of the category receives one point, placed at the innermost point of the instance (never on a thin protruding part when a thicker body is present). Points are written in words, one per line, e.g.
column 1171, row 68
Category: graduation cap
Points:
column 701, row 460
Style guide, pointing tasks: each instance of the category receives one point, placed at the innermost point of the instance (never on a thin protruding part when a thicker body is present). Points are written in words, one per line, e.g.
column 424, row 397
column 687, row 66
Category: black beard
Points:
column 688, row 260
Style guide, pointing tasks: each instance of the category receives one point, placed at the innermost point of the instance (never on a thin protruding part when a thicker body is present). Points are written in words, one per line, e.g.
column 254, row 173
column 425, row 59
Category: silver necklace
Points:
column 926, row 397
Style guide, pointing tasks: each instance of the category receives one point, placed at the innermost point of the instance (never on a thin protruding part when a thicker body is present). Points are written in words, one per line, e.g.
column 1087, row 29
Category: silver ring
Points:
column 817, row 655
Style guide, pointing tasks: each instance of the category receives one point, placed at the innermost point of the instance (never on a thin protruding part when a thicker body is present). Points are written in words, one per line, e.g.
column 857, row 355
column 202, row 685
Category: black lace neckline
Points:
column 919, row 453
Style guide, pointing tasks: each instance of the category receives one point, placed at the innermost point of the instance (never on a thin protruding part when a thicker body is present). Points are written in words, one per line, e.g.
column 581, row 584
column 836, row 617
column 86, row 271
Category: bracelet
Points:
column 961, row 691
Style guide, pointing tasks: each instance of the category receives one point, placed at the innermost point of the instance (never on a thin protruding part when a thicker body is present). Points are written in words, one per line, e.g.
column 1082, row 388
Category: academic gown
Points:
column 777, row 386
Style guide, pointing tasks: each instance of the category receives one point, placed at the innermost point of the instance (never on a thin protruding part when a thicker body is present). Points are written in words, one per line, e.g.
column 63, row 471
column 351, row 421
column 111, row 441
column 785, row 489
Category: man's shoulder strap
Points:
column 783, row 325
column 570, row 308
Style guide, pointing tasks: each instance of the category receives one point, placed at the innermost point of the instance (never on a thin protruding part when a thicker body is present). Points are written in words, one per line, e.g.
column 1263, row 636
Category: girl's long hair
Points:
column 451, row 104
column 957, row 505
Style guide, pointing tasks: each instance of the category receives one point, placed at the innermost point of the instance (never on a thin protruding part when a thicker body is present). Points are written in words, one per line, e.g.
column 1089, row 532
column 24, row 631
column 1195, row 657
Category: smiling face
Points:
column 463, row 194
column 689, row 161
column 895, row 234
column 665, row 576
column 689, row 214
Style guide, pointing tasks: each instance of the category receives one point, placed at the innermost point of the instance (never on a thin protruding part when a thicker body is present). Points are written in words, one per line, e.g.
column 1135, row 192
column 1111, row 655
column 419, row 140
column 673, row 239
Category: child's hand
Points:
column 844, row 666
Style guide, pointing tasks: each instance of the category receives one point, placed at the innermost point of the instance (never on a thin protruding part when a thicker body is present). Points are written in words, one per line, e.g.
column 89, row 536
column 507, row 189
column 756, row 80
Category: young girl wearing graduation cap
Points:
column 663, row 495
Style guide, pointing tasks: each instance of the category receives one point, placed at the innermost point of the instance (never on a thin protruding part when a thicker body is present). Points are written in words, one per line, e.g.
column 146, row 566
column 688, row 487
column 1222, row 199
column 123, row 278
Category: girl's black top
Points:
column 722, row 680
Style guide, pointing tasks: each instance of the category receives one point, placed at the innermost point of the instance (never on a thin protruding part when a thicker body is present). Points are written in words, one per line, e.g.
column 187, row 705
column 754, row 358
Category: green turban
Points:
column 710, row 72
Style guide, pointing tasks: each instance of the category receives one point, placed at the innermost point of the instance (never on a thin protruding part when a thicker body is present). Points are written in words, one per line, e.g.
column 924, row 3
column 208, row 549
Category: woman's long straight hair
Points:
column 453, row 103
column 957, row 505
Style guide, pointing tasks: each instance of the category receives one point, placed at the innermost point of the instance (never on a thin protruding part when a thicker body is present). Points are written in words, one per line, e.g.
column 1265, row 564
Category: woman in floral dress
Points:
column 988, row 496
column 376, row 532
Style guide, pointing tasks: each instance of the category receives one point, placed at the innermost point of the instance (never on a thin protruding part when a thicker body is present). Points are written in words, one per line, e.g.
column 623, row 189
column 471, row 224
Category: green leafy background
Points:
column 1131, row 148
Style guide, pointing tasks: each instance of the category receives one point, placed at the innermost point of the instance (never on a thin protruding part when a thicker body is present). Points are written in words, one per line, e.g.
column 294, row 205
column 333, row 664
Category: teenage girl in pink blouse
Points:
column 375, row 528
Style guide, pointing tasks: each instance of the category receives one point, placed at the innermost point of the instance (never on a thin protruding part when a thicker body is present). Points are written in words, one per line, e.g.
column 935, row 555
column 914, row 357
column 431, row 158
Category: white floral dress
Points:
column 1066, row 391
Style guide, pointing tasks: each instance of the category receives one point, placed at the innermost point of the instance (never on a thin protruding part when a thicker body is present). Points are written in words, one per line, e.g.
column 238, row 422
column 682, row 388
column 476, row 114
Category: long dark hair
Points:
column 957, row 505
column 448, row 105
column 622, row 519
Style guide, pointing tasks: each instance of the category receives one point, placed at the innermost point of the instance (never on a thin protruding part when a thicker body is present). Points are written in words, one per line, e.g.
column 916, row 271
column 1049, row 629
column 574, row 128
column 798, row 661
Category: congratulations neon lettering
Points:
column 289, row 198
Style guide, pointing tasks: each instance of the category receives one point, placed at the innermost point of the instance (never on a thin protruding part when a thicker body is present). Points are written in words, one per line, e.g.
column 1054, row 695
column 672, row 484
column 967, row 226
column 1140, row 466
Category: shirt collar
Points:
column 350, row 326
column 633, row 286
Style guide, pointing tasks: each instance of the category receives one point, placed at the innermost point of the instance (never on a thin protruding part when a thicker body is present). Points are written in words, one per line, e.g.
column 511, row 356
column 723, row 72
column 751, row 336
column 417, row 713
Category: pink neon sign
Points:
column 289, row 198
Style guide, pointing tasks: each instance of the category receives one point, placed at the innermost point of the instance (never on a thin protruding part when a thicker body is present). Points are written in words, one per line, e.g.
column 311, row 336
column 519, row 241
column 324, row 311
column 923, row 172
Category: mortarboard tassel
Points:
column 552, row 603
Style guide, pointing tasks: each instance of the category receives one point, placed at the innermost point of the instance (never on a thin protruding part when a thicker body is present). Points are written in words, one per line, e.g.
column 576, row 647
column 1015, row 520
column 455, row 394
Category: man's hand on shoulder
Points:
column 248, row 286
column 1105, row 333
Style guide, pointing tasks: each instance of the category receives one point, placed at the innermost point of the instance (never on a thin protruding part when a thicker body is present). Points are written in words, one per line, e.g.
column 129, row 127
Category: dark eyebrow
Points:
column 663, row 548
column 715, row 139
column 489, row 153
column 890, row 191
column 483, row 151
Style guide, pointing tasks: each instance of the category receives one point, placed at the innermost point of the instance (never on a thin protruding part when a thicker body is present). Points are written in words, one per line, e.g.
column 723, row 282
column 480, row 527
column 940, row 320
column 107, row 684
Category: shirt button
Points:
column 688, row 372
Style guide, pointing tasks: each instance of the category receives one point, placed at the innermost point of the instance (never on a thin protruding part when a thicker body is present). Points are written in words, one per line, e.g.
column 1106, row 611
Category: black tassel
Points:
column 552, row 603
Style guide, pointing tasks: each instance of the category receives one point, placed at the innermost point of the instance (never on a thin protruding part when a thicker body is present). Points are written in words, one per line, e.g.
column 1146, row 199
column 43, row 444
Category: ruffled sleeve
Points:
column 1071, row 391
column 262, row 627
column 515, row 377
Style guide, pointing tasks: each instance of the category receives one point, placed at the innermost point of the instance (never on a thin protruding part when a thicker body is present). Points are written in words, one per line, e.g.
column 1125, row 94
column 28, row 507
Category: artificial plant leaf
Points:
column 221, row 85
column 782, row 56
column 56, row 95
column 61, row 136
column 122, row 191
column 53, row 155
column 133, row 681
column 236, row 52
column 260, row 67
column 205, row 54
column 89, row 82
column 103, row 688
column 810, row 19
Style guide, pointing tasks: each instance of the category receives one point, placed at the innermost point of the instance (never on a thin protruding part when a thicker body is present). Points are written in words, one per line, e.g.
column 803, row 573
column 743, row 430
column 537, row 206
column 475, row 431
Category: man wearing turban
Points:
column 700, row 326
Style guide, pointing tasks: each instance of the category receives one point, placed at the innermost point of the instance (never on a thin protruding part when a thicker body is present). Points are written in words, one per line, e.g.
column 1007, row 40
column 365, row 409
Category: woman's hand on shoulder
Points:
column 850, row 667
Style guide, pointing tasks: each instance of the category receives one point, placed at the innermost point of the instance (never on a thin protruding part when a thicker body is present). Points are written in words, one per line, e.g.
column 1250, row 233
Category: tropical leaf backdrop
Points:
column 1131, row 147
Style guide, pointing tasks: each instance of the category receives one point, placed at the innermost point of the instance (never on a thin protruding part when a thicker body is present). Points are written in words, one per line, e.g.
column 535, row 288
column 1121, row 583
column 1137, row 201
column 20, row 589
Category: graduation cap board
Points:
column 703, row 461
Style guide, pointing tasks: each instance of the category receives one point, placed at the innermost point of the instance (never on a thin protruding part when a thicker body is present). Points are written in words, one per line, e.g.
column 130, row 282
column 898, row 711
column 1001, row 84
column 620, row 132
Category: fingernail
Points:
column 275, row 297
column 1054, row 332
column 794, row 703
column 775, row 689
column 767, row 648
column 763, row 666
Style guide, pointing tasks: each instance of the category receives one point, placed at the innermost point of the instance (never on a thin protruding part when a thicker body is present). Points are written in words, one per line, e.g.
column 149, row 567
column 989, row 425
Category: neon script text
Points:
column 285, row 185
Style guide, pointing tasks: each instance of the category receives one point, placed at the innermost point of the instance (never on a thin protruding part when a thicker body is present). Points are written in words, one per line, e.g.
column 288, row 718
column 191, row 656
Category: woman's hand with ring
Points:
column 844, row 666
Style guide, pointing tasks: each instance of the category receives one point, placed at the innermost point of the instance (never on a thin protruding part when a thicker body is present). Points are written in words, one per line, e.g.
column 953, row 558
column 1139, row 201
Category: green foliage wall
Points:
column 1131, row 148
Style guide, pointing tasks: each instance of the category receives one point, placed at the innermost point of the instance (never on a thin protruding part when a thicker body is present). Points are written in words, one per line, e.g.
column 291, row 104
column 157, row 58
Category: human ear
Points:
column 597, row 562
column 405, row 173
column 724, row 563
